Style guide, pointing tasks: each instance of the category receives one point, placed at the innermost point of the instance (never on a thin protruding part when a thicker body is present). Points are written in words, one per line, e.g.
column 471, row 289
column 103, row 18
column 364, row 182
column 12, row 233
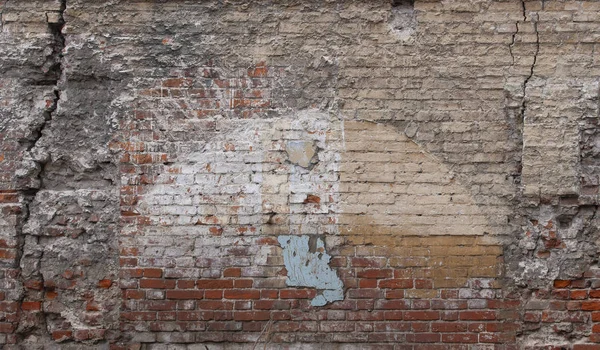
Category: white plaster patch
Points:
column 309, row 267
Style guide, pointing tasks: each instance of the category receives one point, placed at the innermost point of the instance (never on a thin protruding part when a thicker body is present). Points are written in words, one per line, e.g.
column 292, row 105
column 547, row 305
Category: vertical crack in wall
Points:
column 532, row 68
column 516, row 102
column 53, row 70
column 512, row 43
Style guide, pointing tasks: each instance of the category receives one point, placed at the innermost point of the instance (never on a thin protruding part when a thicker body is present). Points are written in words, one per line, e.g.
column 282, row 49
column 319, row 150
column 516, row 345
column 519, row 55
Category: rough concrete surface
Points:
column 385, row 174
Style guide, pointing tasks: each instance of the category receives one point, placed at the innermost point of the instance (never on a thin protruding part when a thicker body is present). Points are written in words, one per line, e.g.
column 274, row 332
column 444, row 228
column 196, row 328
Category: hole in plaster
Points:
column 403, row 20
column 564, row 221
column 302, row 153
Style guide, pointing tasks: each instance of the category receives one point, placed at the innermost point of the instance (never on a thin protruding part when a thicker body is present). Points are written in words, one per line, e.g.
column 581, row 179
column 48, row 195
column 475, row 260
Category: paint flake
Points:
column 307, row 265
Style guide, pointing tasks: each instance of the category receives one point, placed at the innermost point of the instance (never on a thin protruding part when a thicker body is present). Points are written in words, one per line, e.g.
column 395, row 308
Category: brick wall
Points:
column 350, row 174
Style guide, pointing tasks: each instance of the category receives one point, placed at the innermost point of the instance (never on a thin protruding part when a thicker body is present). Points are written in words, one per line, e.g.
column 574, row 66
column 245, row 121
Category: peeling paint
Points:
column 307, row 264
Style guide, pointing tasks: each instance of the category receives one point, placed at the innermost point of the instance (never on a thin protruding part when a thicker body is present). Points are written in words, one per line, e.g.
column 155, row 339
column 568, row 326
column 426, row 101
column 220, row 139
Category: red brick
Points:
column 580, row 283
column 420, row 327
column 368, row 262
column 449, row 315
column 562, row 283
column 423, row 284
column 139, row 316
column 498, row 338
column 8, row 306
column 176, row 82
column 365, row 315
column 232, row 272
column 185, row 294
column 477, row 315
column 241, row 294
column 157, row 283
column 393, row 315
column 272, row 304
column 9, row 197
column 558, row 305
column 372, row 293
column 576, row 317
column 394, row 294
column 81, row 334
column 560, row 294
column 266, row 241
column 578, row 294
column 590, row 306
column 214, row 284
column 367, row 283
column 195, row 315
column 60, row 336
column 33, row 284
column 7, row 243
column 214, row 305
column 573, row 305
column 448, row 327
column 293, row 327
column 251, row 315
column 6, row 327
column 157, row 305
column 594, row 337
column 396, row 283
column 533, row 317
column 8, row 254
column 258, row 71
column 476, row 327
column 374, row 273
column 269, row 294
column 449, row 294
column 423, row 338
column 551, row 316
column 421, row 315
column 131, row 273
column 586, row 347
column 337, row 326
column 392, row 326
column 392, row 304
column 502, row 326
column 213, row 294
column 297, row 293
column 444, row 304
column 31, row 305
column 503, row 304
column 459, row 338
column 134, row 294
column 243, row 283
column 153, row 273
column 185, row 284
column 365, row 304
column 105, row 283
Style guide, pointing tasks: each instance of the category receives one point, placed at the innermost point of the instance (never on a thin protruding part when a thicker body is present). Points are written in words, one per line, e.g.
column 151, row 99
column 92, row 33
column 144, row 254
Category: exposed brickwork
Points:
column 435, row 162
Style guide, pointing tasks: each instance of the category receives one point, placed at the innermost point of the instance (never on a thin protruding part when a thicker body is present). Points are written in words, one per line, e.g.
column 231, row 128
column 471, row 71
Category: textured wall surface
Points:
column 299, row 174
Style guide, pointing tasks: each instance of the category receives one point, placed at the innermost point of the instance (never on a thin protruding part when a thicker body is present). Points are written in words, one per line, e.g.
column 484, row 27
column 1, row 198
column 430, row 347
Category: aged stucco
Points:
column 433, row 165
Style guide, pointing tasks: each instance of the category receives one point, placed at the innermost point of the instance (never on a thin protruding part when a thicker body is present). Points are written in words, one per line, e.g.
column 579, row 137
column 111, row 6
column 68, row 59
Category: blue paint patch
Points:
column 307, row 265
